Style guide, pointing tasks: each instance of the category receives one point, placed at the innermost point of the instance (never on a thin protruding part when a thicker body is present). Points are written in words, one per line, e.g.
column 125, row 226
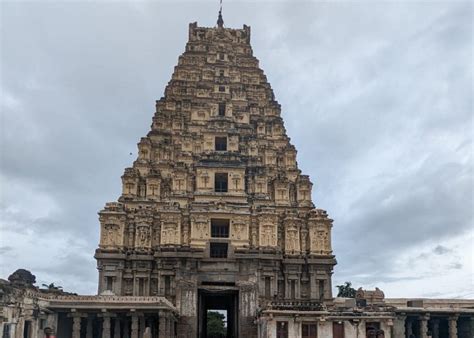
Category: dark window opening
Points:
column 167, row 285
column 220, row 228
column 338, row 330
column 309, row 331
column 141, row 286
column 27, row 329
column 221, row 143
column 222, row 89
column 221, row 56
column 6, row 330
column 221, row 109
column 109, row 283
column 293, row 289
column 282, row 329
column 321, row 289
column 267, row 287
column 218, row 250
column 221, row 72
column 220, row 182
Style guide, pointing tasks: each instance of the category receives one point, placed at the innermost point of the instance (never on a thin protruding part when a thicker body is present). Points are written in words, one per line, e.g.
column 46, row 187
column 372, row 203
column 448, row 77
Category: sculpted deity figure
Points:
column 110, row 232
column 268, row 236
column 320, row 240
column 169, row 233
column 201, row 228
column 143, row 236
column 304, row 235
column 292, row 239
column 128, row 287
column 238, row 230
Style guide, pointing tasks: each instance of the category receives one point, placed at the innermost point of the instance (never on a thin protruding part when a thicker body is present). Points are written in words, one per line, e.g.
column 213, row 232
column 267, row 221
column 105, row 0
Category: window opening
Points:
column 167, row 285
column 309, row 330
column 221, row 109
column 221, row 143
column 220, row 228
column 220, row 182
column 267, row 287
column 218, row 250
column 109, row 283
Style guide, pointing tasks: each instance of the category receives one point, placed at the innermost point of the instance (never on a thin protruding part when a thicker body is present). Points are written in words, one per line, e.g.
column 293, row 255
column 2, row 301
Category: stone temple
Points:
column 215, row 215
column 214, row 211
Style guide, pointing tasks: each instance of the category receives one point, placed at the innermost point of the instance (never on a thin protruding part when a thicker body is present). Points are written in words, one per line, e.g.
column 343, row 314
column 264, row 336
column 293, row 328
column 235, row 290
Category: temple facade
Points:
column 214, row 211
column 215, row 215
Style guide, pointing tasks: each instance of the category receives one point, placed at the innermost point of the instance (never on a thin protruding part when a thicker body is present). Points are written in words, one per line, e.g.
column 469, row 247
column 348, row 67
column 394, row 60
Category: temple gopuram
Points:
column 215, row 216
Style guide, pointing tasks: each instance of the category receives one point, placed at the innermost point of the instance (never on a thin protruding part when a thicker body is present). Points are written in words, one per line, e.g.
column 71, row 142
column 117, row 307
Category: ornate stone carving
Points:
column 172, row 192
column 143, row 236
column 268, row 230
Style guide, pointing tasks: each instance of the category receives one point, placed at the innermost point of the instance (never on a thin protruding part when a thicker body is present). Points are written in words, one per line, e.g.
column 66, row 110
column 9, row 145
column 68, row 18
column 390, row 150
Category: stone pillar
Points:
column 142, row 326
column 399, row 326
column 76, row 326
column 126, row 330
column 409, row 327
column 106, row 327
column 117, row 328
column 134, row 326
column 453, row 327
column 171, row 326
column 424, row 326
column 89, row 327
column 435, row 326
column 162, row 323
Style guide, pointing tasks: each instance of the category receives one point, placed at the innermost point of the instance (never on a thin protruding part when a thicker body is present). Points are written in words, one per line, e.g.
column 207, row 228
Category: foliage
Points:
column 346, row 290
column 216, row 325
column 52, row 287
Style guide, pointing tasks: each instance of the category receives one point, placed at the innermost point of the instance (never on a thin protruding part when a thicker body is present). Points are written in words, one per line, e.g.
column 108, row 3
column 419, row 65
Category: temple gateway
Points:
column 216, row 216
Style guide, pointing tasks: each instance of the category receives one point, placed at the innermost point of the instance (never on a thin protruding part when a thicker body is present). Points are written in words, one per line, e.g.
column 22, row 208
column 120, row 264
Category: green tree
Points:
column 346, row 290
column 52, row 287
column 216, row 325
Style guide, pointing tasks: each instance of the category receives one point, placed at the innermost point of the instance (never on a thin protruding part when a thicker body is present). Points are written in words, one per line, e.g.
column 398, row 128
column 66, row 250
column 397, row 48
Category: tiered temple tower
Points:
column 214, row 212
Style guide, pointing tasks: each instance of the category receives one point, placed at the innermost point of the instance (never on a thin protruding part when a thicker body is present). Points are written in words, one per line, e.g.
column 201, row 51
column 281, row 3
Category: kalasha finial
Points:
column 220, row 21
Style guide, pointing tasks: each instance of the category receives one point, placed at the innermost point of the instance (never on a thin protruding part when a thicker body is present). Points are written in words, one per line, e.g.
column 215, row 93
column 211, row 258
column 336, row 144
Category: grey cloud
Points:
column 441, row 250
column 5, row 249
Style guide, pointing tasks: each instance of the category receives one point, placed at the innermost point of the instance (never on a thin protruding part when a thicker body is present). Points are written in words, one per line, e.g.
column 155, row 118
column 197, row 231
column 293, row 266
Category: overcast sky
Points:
column 376, row 96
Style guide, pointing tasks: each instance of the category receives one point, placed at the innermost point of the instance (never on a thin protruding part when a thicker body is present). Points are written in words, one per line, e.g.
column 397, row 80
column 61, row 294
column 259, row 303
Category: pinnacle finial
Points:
column 220, row 21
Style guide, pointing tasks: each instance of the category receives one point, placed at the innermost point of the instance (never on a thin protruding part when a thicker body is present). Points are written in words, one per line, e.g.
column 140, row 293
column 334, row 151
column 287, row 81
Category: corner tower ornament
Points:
column 214, row 212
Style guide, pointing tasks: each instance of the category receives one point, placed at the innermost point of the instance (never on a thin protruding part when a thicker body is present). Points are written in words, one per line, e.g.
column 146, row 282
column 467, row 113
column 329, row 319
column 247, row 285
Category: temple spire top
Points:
column 220, row 21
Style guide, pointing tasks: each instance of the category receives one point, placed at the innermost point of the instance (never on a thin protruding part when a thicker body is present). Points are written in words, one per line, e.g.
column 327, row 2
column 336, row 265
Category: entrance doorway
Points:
column 218, row 314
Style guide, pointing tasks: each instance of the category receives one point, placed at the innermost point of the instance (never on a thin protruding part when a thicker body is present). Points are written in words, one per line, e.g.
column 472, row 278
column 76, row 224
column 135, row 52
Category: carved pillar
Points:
column 162, row 321
column 134, row 326
column 409, row 327
column 89, row 327
column 117, row 328
column 424, row 326
column 399, row 326
column 126, row 332
column 168, row 327
column 171, row 327
column 453, row 327
column 435, row 325
column 142, row 326
column 304, row 239
column 106, row 327
column 76, row 326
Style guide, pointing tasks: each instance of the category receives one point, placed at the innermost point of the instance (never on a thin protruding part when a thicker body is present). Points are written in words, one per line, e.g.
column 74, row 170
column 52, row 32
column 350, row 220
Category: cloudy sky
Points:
column 376, row 96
